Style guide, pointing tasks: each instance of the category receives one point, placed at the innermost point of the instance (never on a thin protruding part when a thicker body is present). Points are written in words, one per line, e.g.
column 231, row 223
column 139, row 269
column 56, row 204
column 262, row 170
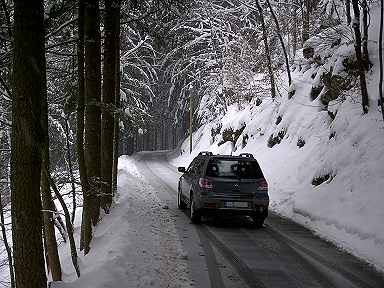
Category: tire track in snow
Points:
column 314, row 259
column 289, row 248
column 215, row 277
column 244, row 271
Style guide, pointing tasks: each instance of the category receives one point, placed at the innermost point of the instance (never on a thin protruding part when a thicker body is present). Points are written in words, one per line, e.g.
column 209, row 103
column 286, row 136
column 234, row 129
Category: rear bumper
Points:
column 234, row 212
column 213, row 206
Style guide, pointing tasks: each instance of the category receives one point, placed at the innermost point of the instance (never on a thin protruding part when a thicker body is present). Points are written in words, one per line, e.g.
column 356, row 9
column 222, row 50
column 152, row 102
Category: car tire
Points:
column 180, row 203
column 258, row 222
column 193, row 213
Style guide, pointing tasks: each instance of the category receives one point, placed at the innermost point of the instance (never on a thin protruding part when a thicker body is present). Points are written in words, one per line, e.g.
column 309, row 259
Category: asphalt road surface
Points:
column 228, row 253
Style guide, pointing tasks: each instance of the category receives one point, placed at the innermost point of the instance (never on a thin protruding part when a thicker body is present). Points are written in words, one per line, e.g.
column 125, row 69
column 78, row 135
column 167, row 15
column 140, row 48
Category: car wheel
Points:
column 193, row 214
column 180, row 203
column 258, row 222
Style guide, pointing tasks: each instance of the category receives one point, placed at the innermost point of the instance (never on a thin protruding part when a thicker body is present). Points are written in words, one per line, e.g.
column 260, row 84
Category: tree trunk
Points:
column 80, row 118
column 47, row 201
column 53, row 262
column 365, row 35
column 29, row 76
column 92, row 117
column 70, row 170
column 68, row 224
column 155, row 140
column 294, row 32
column 267, row 51
column 116, row 120
column 3, row 227
column 306, row 13
column 61, row 227
column 360, row 63
column 281, row 42
column 111, row 23
column 348, row 11
column 381, row 58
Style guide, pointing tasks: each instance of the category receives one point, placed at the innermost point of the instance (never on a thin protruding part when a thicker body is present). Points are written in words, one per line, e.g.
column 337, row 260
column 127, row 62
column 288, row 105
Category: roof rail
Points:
column 207, row 153
column 246, row 155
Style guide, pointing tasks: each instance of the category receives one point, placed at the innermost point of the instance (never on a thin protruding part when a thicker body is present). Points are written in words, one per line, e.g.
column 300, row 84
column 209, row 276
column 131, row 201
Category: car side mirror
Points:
column 181, row 169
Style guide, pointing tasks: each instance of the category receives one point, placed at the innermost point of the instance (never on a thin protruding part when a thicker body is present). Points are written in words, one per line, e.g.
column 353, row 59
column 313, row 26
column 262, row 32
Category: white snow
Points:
column 347, row 209
column 135, row 246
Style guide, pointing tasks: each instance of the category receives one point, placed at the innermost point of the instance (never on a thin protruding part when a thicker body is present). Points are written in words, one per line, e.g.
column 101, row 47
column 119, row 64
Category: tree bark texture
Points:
column 111, row 27
column 116, row 120
column 92, row 117
column 306, row 13
column 267, row 51
column 360, row 62
column 69, row 226
column 294, row 31
column 366, row 61
column 29, row 76
column 70, row 170
column 53, row 262
column 348, row 11
column 48, row 217
column 80, row 115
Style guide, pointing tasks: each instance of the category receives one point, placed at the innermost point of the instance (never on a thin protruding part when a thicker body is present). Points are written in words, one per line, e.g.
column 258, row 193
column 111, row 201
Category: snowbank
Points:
column 325, row 170
column 135, row 246
column 347, row 208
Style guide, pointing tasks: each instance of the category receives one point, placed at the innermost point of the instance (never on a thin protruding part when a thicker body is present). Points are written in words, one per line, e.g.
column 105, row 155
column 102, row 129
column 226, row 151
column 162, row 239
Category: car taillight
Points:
column 262, row 184
column 210, row 205
column 205, row 183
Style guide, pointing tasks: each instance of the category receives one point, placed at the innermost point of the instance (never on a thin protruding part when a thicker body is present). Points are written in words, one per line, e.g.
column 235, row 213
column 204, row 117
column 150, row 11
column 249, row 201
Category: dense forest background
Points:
column 83, row 82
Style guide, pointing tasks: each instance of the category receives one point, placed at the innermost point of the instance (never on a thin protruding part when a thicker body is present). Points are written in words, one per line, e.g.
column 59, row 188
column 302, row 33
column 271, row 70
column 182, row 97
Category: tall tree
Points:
column 267, row 50
column 53, row 260
column 359, row 58
column 364, row 6
column 29, row 76
column 116, row 120
column 110, row 75
column 278, row 30
column 80, row 117
column 92, row 116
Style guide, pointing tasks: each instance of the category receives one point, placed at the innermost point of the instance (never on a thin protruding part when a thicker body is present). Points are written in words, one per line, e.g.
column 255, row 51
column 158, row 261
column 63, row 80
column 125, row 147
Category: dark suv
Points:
column 218, row 184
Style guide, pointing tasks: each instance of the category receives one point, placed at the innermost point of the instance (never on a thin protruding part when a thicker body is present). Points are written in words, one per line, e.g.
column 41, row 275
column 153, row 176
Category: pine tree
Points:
column 92, row 117
column 111, row 27
column 80, row 114
column 29, row 76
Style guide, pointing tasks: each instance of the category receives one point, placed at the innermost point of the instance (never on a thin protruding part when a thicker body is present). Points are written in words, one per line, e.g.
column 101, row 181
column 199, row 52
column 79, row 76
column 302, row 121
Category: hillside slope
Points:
column 323, row 158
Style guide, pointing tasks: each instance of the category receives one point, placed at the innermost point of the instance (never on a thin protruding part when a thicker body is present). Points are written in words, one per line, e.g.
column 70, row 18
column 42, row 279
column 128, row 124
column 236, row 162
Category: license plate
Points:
column 236, row 204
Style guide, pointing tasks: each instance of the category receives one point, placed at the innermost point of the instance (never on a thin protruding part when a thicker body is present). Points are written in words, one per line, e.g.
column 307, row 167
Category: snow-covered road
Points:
column 147, row 241
column 283, row 254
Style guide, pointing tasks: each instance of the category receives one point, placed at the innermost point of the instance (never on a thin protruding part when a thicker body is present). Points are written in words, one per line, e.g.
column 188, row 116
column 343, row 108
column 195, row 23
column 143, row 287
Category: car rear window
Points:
column 234, row 168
